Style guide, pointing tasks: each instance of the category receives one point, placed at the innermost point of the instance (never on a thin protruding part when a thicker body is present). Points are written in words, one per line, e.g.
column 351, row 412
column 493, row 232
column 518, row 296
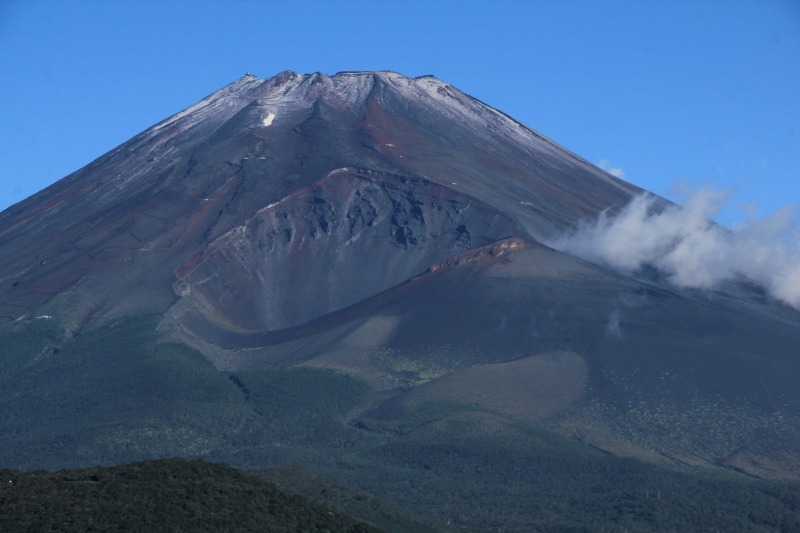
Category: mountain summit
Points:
column 308, row 146
column 390, row 232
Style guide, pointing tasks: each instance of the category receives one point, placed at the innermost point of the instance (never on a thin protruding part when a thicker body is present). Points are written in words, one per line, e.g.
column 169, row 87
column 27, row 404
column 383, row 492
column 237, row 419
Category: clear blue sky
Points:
column 699, row 92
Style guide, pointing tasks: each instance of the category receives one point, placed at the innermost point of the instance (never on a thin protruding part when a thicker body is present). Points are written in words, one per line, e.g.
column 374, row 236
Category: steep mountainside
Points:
column 352, row 273
column 292, row 154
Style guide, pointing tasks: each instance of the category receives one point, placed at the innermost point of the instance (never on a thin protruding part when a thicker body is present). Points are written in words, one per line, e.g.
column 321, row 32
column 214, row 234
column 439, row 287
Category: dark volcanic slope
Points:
column 441, row 167
column 544, row 338
column 394, row 229
column 352, row 234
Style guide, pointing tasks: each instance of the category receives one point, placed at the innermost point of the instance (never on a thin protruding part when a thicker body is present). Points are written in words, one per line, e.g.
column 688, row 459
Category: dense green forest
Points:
column 118, row 394
column 165, row 495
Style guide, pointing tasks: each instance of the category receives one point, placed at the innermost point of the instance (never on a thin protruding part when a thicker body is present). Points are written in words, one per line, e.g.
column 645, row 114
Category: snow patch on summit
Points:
column 483, row 119
column 229, row 97
column 267, row 121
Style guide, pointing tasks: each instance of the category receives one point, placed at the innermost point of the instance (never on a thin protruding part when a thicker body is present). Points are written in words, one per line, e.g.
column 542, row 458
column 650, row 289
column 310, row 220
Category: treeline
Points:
column 165, row 495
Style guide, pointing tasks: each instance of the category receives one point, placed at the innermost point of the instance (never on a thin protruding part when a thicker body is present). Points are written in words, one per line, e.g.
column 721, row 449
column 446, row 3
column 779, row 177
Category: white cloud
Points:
column 691, row 250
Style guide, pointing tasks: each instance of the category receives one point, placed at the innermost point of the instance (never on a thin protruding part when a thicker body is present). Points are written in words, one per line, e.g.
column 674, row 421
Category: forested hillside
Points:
column 165, row 495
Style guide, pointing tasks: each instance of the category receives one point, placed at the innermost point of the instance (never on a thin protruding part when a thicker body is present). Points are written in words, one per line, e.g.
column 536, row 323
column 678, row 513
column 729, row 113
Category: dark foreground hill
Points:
column 166, row 495
column 180, row 495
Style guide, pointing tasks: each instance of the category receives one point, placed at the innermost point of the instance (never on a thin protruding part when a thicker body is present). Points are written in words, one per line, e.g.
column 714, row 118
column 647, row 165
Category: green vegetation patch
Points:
column 490, row 475
column 308, row 400
column 111, row 395
column 166, row 495
column 347, row 501
column 22, row 344
column 477, row 470
column 302, row 415
column 117, row 393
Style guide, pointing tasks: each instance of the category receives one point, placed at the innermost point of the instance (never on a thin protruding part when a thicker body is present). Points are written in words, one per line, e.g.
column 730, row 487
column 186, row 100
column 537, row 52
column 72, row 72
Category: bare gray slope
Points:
column 125, row 223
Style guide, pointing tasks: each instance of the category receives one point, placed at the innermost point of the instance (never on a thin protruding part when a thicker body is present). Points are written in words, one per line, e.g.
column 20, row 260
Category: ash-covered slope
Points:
column 436, row 171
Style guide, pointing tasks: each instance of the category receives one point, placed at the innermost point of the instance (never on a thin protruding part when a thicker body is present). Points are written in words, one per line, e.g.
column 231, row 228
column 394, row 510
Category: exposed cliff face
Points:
column 349, row 236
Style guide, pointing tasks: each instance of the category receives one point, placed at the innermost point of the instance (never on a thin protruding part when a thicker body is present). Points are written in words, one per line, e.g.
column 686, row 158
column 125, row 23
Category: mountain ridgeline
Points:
column 352, row 275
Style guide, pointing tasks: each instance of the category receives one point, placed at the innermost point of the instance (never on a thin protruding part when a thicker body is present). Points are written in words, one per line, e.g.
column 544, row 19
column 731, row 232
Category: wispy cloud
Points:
column 691, row 250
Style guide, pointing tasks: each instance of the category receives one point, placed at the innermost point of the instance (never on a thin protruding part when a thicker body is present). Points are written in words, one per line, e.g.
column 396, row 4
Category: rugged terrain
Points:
column 354, row 274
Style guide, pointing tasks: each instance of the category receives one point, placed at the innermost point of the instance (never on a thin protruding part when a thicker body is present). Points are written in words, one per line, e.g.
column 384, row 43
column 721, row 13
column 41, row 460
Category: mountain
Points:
column 285, row 160
column 355, row 274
